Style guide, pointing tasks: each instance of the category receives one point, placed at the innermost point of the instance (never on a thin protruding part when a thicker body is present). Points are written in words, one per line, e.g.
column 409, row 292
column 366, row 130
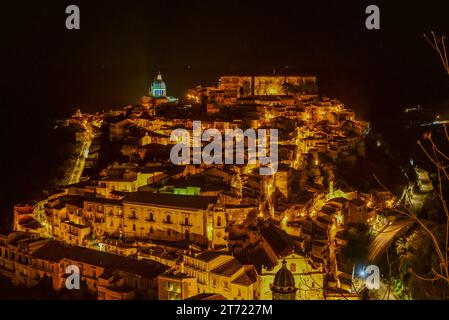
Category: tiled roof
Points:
column 51, row 251
column 33, row 224
column 208, row 256
column 144, row 268
column 228, row 268
column 279, row 240
column 170, row 200
column 259, row 258
column 56, row 251
column 207, row 296
column 107, row 201
column 247, row 278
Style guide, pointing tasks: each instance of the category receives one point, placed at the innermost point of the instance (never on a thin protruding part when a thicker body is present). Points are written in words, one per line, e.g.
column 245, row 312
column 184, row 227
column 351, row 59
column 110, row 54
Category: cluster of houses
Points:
column 142, row 227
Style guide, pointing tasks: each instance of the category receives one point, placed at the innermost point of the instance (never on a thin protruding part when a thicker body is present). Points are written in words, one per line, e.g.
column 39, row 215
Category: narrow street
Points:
column 81, row 158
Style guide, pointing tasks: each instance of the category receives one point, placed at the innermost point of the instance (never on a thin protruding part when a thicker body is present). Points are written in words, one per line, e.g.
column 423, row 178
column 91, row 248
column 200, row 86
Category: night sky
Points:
column 48, row 71
column 122, row 44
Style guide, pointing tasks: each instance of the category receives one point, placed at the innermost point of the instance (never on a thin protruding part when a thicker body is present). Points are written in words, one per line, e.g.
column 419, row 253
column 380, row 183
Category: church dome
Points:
column 158, row 88
column 283, row 286
column 284, row 277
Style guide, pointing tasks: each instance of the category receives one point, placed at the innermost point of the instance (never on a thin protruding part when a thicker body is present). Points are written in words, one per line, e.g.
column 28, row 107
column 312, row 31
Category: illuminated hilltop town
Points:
column 138, row 226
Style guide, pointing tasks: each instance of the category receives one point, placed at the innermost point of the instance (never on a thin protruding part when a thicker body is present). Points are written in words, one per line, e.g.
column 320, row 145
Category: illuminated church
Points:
column 158, row 88
column 157, row 94
column 283, row 286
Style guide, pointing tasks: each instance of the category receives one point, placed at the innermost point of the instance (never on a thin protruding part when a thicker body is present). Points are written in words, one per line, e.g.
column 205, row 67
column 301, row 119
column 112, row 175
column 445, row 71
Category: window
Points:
column 168, row 232
column 293, row 267
column 151, row 216
column 186, row 221
column 218, row 221
column 168, row 218
column 151, row 229
column 134, row 227
column 112, row 223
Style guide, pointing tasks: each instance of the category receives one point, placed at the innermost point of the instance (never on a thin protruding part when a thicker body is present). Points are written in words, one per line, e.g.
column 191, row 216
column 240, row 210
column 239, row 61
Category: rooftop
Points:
column 228, row 268
column 170, row 200
column 208, row 256
column 56, row 251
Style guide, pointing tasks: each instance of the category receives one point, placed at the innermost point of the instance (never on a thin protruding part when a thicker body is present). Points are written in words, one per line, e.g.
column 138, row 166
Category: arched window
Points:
column 293, row 267
column 168, row 218
column 151, row 216
column 218, row 221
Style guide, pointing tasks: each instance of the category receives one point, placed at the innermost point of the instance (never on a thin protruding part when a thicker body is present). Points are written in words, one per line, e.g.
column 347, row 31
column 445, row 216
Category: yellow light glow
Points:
column 210, row 229
column 339, row 219
column 389, row 203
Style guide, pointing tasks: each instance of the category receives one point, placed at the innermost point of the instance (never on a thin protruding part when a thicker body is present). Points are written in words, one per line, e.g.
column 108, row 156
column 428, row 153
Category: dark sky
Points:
column 122, row 44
